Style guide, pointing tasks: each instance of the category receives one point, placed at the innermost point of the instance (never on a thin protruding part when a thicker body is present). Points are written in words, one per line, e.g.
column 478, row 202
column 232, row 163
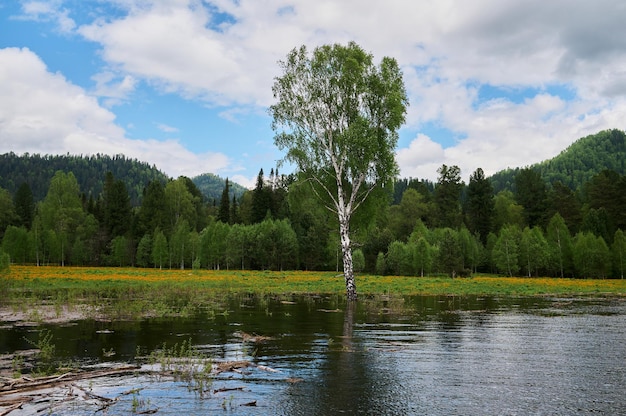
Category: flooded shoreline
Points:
column 410, row 355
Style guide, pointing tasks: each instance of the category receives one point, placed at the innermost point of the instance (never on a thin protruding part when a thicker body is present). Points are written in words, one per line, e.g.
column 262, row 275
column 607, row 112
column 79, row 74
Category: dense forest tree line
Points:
column 446, row 227
column 533, row 226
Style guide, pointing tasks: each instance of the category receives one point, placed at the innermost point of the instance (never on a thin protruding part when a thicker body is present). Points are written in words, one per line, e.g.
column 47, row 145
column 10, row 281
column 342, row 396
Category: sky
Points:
column 185, row 84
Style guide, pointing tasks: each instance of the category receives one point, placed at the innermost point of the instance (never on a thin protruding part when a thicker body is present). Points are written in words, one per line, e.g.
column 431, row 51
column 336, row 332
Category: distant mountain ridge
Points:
column 578, row 163
column 574, row 166
column 90, row 171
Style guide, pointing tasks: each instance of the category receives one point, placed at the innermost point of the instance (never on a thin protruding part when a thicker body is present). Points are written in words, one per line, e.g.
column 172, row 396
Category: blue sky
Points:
column 185, row 84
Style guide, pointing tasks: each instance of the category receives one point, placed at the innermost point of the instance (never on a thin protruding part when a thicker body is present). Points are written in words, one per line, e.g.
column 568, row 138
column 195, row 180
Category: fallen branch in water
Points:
column 25, row 384
column 225, row 389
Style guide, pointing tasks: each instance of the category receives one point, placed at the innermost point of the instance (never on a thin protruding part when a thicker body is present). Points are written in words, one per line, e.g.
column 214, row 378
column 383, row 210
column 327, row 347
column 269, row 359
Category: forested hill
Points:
column 212, row 186
column 578, row 163
column 90, row 172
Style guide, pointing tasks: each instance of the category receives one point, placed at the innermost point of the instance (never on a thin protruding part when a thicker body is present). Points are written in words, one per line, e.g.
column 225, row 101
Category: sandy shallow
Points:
column 46, row 314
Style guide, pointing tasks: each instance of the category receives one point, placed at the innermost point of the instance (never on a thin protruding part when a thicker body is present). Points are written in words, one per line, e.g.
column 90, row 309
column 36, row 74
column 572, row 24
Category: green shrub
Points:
column 5, row 262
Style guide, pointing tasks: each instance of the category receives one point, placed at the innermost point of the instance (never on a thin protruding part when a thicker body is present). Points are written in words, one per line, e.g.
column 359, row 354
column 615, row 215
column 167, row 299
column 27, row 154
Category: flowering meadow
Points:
column 34, row 278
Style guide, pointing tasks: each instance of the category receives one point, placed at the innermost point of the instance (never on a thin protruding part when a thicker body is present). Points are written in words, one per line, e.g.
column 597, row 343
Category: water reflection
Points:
column 404, row 355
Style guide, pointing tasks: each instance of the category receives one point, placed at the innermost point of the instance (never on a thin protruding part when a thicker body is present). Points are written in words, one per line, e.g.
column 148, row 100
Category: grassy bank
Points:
column 53, row 294
column 76, row 282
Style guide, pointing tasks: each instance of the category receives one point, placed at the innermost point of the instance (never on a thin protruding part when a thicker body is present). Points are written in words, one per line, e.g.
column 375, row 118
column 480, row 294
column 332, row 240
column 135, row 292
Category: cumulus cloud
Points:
column 224, row 53
column 42, row 112
column 112, row 88
column 48, row 11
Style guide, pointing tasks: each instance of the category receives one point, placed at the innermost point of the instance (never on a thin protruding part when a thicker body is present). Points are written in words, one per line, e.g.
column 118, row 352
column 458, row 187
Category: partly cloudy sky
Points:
column 185, row 84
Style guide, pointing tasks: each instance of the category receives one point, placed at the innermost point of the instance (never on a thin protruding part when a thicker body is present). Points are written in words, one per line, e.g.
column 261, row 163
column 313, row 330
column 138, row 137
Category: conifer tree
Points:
column 224, row 211
column 480, row 205
column 24, row 205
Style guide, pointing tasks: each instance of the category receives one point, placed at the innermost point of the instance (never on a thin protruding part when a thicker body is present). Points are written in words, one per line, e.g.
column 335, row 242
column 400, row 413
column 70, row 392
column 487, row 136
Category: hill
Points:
column 212, row 187
column 90, row 171
column 577, row 164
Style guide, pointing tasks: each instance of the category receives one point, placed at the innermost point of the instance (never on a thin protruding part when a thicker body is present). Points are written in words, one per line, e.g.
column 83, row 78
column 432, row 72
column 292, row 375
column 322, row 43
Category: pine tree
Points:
column 261, row 199
column 24, row 205
column 448, row 196
column 234, row 211
column 224, row 211
column 531, row 193
column 117, row 209
column 480, row 205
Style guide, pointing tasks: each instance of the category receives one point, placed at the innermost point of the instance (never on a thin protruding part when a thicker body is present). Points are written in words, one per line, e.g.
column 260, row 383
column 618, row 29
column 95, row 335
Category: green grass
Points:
column 127, row 293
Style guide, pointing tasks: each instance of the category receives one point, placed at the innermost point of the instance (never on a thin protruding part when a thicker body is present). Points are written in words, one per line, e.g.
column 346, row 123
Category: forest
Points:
column 560, row 218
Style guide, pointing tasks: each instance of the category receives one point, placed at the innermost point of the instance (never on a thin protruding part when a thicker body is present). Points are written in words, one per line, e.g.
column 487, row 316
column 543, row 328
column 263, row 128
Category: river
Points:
column 397, row 356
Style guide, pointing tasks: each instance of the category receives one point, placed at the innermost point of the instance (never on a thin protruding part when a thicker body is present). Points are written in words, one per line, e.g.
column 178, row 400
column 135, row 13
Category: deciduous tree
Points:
column 337, row 114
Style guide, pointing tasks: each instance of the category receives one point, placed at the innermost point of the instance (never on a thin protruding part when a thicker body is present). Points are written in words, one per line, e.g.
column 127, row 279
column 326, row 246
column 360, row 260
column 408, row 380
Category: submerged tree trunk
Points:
column 346, row 250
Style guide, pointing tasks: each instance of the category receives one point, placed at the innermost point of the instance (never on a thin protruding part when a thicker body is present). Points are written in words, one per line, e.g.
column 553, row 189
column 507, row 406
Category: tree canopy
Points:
column 337, row 116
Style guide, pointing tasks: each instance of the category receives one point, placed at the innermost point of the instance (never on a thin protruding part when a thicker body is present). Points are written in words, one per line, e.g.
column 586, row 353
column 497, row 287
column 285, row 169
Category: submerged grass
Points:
column 131, row 292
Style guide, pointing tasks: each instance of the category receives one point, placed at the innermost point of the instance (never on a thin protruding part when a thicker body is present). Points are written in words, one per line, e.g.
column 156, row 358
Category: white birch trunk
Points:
column 344, row 212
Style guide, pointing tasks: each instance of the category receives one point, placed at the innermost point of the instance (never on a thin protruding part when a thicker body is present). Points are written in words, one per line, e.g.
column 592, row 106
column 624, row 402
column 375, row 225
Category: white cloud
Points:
column 447, row 50
column 245, row 181
column 42, row 112
column 115, row 90
column 167, row 129
column 45, row 11
column 421, row 159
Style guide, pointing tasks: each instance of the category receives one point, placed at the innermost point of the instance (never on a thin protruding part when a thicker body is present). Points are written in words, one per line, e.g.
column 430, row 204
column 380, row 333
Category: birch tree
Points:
column 337, row 115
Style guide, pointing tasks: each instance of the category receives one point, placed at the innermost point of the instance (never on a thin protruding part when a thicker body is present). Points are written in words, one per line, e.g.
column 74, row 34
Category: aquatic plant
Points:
column 186, row 364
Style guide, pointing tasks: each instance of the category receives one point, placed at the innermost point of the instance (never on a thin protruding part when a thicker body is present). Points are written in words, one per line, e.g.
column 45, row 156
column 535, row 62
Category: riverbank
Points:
column 50, row 293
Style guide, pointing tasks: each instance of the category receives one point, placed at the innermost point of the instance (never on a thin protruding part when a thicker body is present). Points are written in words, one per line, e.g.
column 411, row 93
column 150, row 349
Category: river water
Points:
column 398, row 356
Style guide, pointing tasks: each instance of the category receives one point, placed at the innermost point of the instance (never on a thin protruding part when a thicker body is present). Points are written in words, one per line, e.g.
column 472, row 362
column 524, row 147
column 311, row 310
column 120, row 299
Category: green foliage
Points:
column 144, row 250
column 399, row 259
column 450, row 252
column 507, row 211
column 480, row 205
column 211, row 187
column 7, row 209
column 151, row 214
column 67, row 227
column 24, row 205
column 403, row 217
column 560, row 247
column 337, row 116
column 45, row 353
column 423, row 255
column 224, row 211
column 533, row 251
column 358, row 258
column 505, row 252
column 117, row 209
column 62, row 212
column 577, row 164
column 381, row 264
column 448, row 196
column 213, row 244
column 591, row 255
column 160, row 249
column 5, row 262
column 531, row 194
column 606, row 191
column 37, row 171
column 619, row 253
column 120, row 252
column 16, row 243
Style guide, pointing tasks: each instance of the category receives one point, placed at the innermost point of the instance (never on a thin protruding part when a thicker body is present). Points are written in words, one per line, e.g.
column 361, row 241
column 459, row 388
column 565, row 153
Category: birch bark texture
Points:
column 337, row 116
